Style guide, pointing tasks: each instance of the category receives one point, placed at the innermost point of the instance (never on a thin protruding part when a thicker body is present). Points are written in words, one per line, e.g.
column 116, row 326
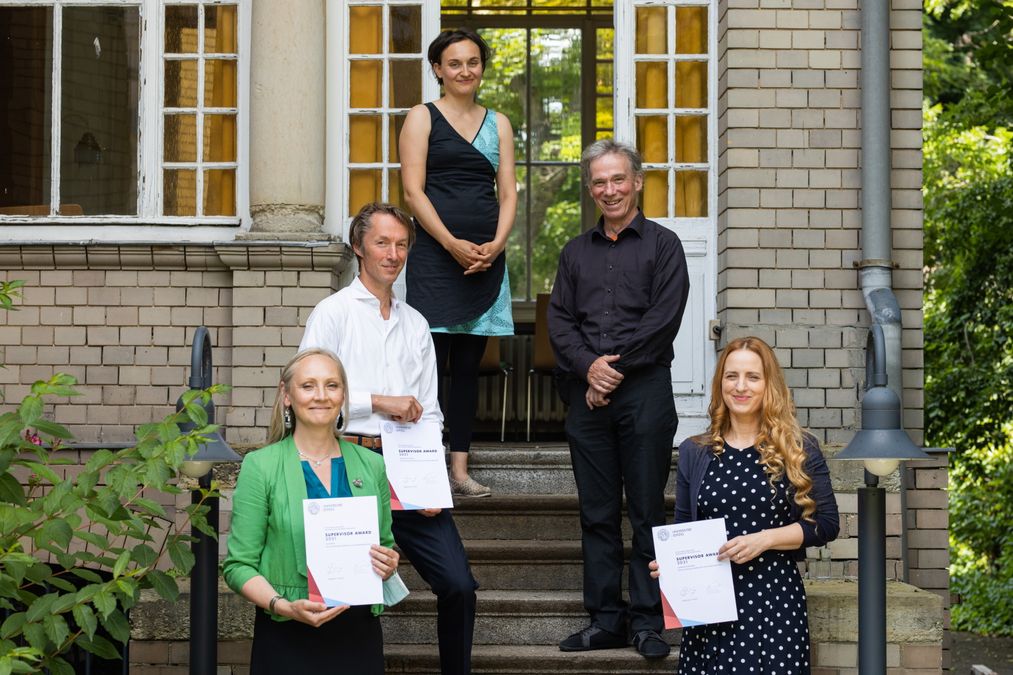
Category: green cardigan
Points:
column 267, row 535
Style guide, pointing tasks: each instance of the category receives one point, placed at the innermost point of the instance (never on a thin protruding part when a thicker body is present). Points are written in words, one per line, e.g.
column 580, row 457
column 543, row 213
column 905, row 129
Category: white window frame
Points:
column 339, row 109
column 60, row 228
column 693, row 348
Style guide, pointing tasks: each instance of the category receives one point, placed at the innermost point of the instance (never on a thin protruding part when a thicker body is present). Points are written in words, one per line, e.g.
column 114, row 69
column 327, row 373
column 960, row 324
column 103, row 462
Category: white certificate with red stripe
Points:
column 339, row 532
column 696, row 588
column 416, row 466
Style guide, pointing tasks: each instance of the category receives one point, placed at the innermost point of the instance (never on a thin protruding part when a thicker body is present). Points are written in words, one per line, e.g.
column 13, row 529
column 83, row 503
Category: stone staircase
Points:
column 524, row 548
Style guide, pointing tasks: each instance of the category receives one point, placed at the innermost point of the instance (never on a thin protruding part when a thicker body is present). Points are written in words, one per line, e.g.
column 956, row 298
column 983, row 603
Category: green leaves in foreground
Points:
column 76, row 549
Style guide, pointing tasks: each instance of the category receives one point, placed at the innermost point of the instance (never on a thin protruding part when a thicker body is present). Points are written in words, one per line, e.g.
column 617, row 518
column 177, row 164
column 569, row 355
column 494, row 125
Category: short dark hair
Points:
column 363, row 221
column 609, row 146
column 449, row 37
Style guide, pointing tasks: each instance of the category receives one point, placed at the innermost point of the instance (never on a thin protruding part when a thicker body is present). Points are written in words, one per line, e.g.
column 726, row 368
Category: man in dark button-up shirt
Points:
column 616, row 306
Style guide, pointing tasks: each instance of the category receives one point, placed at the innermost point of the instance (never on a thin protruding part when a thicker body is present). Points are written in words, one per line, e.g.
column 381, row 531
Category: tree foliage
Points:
column 76, row 552
column 968, row 187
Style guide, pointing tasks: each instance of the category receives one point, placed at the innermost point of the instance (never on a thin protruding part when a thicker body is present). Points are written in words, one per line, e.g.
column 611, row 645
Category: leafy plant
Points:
column 76, row 549
column 969, row 305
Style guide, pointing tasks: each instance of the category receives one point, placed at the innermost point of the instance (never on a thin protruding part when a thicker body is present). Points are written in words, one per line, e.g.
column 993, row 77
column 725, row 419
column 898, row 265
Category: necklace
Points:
column 315, row 462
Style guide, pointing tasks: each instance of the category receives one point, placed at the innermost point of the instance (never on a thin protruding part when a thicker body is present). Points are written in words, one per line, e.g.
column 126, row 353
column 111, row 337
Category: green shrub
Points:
column 56, row 533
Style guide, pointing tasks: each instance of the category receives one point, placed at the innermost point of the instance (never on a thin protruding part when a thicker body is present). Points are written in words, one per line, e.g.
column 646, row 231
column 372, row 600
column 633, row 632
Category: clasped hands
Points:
column 385, row 561
column 474, row 257
column 602, row 380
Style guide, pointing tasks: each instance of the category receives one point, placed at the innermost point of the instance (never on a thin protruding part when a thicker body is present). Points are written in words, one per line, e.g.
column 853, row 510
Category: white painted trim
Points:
column 56, row 110
column 335, row 92
column 115, row 234
column 245, row 56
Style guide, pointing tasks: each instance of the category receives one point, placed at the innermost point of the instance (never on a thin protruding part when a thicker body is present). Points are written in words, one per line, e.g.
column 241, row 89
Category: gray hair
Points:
column 609, row 146
column 363, row 221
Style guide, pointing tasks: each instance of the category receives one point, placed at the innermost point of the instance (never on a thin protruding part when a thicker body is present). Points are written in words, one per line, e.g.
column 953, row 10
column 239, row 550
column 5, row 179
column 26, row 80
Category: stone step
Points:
column 514, row 564
column 526, row 516
column 503, row 618
column 527, row 660
column 528, row 469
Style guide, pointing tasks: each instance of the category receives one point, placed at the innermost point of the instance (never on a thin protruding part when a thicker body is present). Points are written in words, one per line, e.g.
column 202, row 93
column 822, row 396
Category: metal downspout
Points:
column 876, row 266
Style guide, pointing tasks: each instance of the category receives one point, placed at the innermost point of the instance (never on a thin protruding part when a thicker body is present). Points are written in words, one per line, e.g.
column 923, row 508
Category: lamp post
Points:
column 881, row 444
column 204, row 576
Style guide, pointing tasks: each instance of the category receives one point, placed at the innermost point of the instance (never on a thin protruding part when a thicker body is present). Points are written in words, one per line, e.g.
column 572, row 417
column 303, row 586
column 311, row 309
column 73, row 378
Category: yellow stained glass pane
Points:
column 181, row 29
column 179, row 192
column 652, row 84
column 221, row 83
column 406, row 29
column 605, row 42
column 396, row 196
column 180, row 138
column 219, row 138
column 690, row 194
column 220, row 192
column 603, row 133
column 220, row 26
column 363, row 187
column 691, row 84
column 366, row 80
column 365, row 30
column 604, row 83
column 364, row 138
column 690, row 30
column 395, row 122
column 691, row 139
column 652, row 31
column 652, row 138
column 405, row 83
column 655, row 197
column 603, row 112
column 181, row 84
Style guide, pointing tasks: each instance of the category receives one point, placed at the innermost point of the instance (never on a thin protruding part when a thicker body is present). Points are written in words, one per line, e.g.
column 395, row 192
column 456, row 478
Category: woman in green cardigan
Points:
column 266, row 561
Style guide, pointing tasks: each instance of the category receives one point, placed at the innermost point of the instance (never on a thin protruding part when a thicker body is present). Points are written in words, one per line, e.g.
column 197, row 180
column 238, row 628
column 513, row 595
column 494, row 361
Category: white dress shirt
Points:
column 392, row 357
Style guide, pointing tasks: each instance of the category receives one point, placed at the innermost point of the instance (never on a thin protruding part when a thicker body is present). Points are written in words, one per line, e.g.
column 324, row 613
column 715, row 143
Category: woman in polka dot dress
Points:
column 756, row 468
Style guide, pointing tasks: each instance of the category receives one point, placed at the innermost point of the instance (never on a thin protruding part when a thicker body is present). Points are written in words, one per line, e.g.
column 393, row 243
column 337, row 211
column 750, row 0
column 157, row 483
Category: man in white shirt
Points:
column 387, row 351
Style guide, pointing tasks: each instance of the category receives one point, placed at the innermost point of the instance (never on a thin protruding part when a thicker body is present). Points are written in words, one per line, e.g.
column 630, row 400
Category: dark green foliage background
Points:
column 969, row 294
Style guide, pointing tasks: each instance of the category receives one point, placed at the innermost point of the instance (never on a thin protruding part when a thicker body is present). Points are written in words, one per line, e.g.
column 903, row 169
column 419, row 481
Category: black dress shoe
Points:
column 650, row 645
column 592, row 637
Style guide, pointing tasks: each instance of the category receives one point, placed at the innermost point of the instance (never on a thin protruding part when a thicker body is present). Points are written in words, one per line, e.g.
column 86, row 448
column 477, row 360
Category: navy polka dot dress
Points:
column 771, row 636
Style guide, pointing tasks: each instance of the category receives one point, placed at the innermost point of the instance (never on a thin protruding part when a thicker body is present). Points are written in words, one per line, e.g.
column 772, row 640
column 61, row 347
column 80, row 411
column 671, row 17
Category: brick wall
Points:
column 789, row 186
column 121, row 320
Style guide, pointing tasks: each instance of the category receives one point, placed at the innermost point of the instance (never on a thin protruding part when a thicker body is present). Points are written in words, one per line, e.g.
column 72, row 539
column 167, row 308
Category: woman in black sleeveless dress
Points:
column 757, row 469
column 457, row 168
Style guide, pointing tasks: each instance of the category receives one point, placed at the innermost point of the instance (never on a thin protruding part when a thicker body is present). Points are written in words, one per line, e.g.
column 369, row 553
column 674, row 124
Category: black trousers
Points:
column 434, row 548
column 626, row 444
column 459, row 355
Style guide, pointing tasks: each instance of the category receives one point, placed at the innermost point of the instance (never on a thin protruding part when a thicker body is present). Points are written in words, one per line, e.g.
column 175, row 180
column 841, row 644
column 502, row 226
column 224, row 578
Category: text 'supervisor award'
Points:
column 339, row 532
column 416, row 466
column 696, row 588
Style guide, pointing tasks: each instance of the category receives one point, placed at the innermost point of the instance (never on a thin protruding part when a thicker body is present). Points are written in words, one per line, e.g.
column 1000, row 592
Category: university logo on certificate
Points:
column 696, row 588
column 339, row 532
column 416, row 466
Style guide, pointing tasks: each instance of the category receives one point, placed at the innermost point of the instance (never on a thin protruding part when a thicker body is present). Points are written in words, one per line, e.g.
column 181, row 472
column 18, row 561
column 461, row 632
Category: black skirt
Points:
column 351, row 643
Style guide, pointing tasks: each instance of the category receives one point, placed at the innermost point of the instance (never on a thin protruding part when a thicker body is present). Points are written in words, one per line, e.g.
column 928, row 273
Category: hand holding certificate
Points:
column 416, row 467
column 339, row 533
column 696, row 588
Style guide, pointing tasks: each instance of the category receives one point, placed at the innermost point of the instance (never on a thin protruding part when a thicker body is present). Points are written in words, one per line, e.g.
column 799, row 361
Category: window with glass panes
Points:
column 123, row 111
column 386, row 66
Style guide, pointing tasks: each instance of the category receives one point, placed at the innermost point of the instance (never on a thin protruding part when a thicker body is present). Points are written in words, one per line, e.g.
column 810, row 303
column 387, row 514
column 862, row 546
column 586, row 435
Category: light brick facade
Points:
column 120, row 317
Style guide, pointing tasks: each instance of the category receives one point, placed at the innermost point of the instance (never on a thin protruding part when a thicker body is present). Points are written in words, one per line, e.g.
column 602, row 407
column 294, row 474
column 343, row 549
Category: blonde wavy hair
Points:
column 276, row 431
column 780, row 436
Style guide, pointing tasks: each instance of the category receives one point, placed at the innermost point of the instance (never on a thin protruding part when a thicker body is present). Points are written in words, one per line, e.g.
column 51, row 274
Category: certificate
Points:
column 339, row 532
column 416, row 467
column 696, row 588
